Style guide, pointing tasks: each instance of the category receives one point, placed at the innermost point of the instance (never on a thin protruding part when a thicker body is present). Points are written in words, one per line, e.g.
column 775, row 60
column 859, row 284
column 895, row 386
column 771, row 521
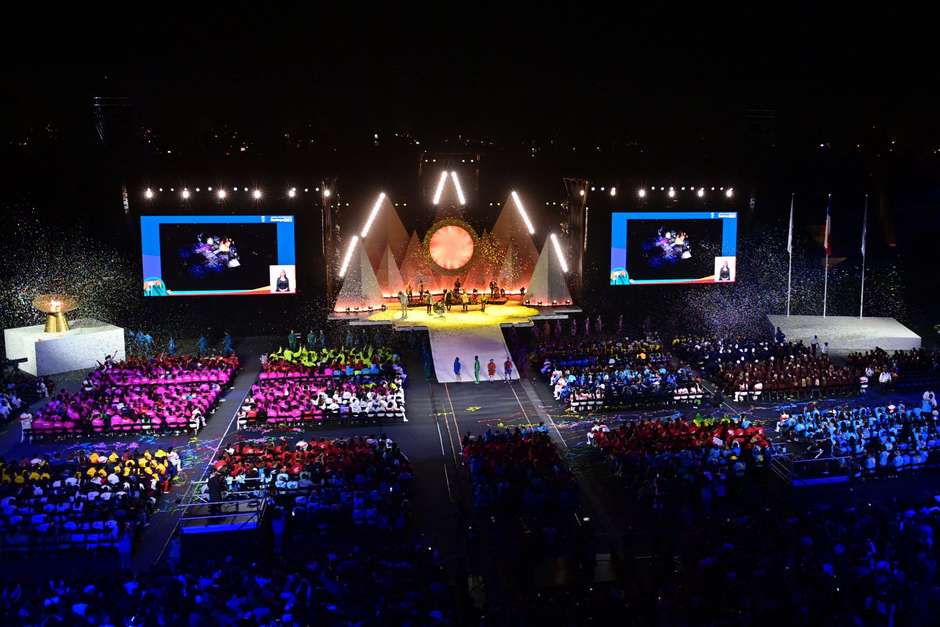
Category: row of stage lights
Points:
column 670, row 191
column 222, row 193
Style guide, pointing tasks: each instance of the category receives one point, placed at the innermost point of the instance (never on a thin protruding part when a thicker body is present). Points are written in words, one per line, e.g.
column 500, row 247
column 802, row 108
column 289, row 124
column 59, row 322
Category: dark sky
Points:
column 501, row 66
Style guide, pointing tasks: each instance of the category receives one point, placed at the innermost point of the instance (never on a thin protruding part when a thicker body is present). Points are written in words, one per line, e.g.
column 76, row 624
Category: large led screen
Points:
column 230, row 255
column 654, row 248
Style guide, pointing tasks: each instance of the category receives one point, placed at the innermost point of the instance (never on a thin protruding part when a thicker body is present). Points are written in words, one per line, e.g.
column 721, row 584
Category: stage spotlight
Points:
column 221, row 194
column 326, row 192
column 149, row 193
column 185, row 194
column 671, row 193
column 525, row 216
column 701, row 192
column 460, row 195
column 440, row 187
column 292, row 192
column 209, row 188
column 613, row 191
column 641, row 193
column 197, row 189
column 729, row 192
column 348, row 257
column 375, row 212
column 561, row 256
column 580, row 192
column 256, row 194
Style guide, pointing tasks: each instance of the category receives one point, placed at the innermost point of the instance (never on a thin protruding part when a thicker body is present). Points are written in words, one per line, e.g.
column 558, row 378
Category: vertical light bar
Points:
column 440, row 187
column 525, row 216
column 453, row 175
column 375, row 212
column 348, row 257
column 561, row 256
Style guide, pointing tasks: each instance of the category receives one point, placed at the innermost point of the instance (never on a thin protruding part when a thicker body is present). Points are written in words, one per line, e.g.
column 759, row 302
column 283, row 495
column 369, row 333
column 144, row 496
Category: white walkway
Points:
column 485, row 341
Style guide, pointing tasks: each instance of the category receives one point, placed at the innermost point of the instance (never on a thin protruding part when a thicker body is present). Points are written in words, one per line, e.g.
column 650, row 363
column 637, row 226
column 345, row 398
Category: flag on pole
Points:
column 826, row 245
column 865, row 227
column 790, row 231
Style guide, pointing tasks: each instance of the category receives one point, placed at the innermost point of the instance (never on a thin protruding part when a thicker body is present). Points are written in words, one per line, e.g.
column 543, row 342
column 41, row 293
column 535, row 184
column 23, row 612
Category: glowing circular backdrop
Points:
column 450, row 244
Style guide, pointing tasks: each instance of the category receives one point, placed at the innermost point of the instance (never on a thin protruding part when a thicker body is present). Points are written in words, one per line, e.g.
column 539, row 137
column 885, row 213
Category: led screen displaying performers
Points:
column 218, row 255
column 648, row 248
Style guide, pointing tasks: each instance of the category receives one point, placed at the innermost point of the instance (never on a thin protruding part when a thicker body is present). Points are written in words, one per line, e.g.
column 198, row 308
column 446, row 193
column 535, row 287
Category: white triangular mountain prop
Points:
column 388, row 275
column 386, row 231
column 513, row 239
column 360, row 285
column 549, row 284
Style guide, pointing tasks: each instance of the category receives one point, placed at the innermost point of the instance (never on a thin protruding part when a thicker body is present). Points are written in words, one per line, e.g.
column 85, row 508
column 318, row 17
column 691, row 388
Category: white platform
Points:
column 486, row 342
column 847, row 333
column 83, row 346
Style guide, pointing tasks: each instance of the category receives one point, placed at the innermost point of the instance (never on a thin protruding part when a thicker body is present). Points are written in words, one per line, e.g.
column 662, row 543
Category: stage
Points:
column 494, row 316
column 847, row 334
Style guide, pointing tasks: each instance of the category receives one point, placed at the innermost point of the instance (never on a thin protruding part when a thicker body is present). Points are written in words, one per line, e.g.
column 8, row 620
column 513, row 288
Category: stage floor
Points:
column 494, row 316
column 847, row 334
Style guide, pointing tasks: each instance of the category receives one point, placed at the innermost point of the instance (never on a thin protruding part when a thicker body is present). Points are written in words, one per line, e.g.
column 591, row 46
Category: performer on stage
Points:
column 427, row 300
column 403, row 301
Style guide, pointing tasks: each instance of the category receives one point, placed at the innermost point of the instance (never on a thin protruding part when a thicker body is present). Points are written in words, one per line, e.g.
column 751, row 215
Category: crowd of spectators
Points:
column 591, row 373
column 309, row 385
column 871, row 565
column 518, row 470
column 757, row 369
column 679, row 456
column 889, row 369
column 85, row 502
column 305, row 362
column 890, row 437
column 291, row 402
column 359, row 480
column 172, row 394
column 404, row 584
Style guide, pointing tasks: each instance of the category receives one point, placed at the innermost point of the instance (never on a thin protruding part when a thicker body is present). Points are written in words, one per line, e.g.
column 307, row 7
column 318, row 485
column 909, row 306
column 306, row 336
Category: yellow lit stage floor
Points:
column 494, row 316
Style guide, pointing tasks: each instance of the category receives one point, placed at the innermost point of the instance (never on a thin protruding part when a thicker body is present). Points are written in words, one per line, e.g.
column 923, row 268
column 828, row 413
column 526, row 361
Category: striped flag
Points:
column 826, row 245
column 790, row 231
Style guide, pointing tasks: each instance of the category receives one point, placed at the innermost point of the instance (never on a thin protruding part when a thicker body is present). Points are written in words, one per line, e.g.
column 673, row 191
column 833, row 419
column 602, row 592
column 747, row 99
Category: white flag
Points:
column 790, row 231
column 865, row 226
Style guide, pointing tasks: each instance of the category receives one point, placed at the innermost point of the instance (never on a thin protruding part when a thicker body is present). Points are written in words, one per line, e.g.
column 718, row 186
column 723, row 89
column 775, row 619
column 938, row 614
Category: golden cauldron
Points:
column 55, row 306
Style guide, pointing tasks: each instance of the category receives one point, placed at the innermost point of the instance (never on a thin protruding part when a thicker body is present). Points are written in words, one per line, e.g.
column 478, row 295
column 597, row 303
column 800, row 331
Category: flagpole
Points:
column 790, row 250
column 861, row 304
column 826, row 276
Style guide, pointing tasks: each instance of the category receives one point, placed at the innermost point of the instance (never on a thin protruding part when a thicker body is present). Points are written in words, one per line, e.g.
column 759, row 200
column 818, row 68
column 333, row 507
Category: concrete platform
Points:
column 847, row 334
column 83, row 346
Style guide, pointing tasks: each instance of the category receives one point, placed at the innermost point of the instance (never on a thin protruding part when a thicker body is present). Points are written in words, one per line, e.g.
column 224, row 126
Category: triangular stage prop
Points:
column 387, row 231
column 515, row 244
column 415, row 265
column 388, row 275
column 549, row 284
column 360, row 286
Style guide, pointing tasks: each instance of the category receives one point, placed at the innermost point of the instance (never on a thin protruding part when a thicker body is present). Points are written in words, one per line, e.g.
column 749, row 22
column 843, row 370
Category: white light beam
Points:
column 460, row 195
column 375, row 212
column 525, row 216
column 561, row 256
column 348, row 257
column 440, row 187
